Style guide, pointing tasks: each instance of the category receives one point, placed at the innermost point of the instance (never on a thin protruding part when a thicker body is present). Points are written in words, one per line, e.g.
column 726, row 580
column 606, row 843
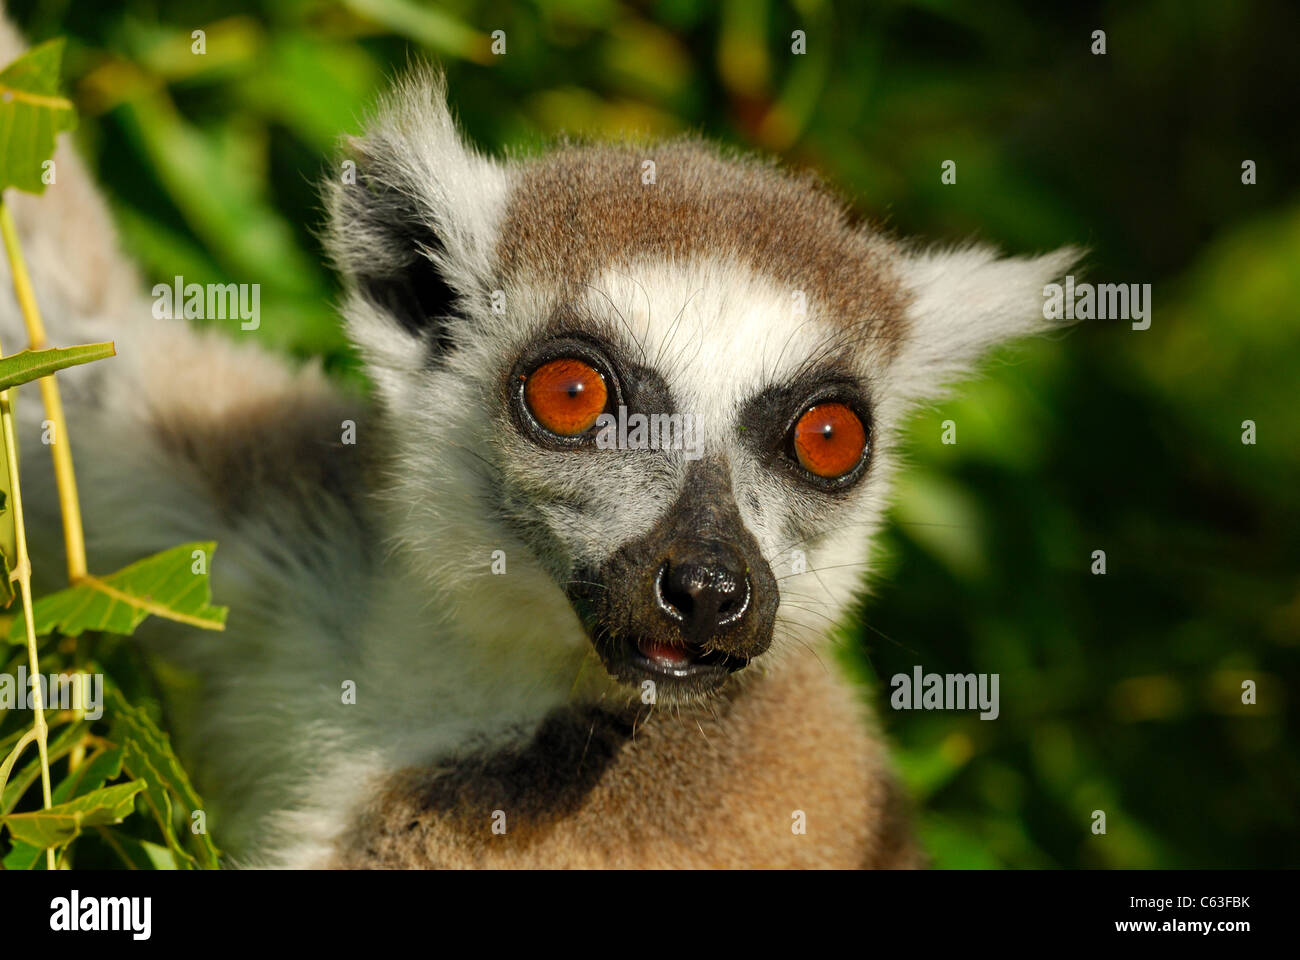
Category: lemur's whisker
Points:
column 649, row 308
column 815, row 613
column 676, row 324
column 636, row 341
column 833, row 566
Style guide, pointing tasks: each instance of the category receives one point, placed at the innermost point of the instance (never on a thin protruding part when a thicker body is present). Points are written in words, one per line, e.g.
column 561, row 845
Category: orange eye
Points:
column 829, row 440
column 565, row 396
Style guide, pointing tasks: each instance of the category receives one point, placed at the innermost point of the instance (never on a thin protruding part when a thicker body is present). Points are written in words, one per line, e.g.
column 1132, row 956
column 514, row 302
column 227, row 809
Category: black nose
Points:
column 703, row 588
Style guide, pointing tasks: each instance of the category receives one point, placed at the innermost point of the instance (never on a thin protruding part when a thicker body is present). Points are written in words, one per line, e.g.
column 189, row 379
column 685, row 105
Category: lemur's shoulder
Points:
column 788, row 775
column 255, row 428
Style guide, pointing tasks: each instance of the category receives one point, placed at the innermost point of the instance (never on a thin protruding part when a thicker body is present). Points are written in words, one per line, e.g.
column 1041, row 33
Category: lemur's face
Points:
column 673, row 469
column 642, row 397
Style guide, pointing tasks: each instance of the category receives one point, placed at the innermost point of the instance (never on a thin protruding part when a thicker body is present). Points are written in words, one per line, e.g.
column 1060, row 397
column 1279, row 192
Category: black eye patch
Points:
column 632, row 384
column 766, row 420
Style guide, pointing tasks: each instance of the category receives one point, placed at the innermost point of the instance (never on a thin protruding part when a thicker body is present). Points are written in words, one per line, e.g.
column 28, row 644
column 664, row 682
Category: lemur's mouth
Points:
column 679, row 673
column 656, row 657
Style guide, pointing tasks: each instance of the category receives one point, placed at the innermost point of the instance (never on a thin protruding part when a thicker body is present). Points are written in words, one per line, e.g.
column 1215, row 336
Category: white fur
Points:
column 967, row 300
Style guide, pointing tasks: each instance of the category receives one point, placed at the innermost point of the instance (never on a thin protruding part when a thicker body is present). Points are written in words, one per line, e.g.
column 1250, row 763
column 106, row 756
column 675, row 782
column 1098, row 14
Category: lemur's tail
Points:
column 67, row 239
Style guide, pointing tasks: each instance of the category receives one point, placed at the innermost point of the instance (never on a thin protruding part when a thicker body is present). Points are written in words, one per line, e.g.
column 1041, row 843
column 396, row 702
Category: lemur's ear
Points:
column 412, row 217
column 966, row 301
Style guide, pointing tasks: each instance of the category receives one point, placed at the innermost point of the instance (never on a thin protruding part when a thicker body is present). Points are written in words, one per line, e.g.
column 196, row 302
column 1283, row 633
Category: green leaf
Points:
column 437, row 29
column 31, row 115
column 31, row 365
column 91, row 775
column 62, row 822
column 23, row 856
column 164, row 585
column 206, row 172
column 140, row 854
column 148, row 758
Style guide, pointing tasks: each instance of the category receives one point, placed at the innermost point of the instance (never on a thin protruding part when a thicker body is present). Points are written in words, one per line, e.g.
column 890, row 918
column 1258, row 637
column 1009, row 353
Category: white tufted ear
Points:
column 413, row 217
column 965, row 301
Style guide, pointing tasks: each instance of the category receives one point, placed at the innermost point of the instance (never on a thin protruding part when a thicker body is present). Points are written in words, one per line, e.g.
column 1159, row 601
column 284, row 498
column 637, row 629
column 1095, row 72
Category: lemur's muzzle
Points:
column 690, row 602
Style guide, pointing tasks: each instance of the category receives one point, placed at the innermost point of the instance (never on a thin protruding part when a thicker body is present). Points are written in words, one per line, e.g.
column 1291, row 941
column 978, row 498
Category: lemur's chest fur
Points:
column 784, row 775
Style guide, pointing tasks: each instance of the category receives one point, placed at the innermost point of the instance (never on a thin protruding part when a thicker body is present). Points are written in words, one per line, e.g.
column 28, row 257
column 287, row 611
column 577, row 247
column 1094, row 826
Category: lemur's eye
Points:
column 829, row 440
column 565, row 396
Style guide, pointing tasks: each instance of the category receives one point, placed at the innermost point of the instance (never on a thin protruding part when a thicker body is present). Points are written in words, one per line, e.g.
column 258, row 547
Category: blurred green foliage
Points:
column 1118, row 692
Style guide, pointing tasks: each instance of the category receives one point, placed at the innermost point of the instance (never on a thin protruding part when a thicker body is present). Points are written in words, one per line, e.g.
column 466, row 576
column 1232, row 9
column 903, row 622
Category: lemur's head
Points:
column 642, row 398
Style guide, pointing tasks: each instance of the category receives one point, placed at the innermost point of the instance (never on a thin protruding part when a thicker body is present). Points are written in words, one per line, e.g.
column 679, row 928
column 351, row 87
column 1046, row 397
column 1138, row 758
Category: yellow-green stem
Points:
column 23, row 570
column 73, row 538
column 74, row 541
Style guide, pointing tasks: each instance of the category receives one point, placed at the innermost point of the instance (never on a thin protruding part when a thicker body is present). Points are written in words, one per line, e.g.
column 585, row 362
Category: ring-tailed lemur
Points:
column 564, row 649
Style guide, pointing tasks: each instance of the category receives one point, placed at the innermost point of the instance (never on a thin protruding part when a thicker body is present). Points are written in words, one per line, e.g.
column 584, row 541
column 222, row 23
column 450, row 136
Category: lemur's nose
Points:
column 704, row 587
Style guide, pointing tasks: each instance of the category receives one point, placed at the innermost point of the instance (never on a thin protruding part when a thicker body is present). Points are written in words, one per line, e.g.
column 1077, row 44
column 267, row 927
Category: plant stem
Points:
column 23, row 570
column 7, row 766
column 74, row 540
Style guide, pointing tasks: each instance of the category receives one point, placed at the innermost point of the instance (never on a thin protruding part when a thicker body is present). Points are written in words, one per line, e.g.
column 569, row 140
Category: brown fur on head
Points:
column 583, row 209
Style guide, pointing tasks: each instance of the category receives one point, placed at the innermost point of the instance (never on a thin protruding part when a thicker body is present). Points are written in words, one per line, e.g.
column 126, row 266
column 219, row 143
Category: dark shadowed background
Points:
column 1120, row 692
